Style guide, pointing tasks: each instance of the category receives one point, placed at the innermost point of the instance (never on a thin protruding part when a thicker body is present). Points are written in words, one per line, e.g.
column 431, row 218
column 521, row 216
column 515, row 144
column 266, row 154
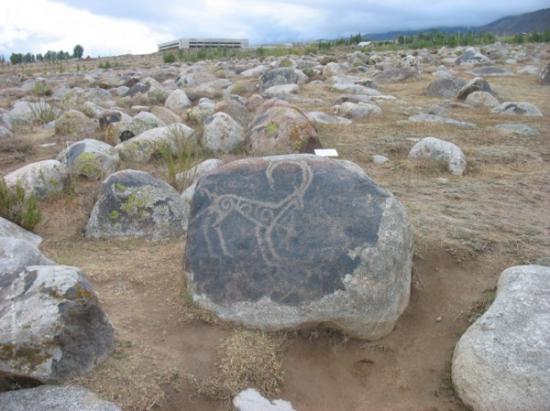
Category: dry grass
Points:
column 246, row 359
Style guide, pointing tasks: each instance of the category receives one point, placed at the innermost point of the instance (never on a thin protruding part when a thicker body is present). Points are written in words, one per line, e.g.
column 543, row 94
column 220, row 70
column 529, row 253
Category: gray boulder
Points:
column 16, row 254
column 202, row 110
column 90, row 158
column 481, row 99
column 519, row 129
column 282, row 91
column 134, row 204
column 517, row 108
column 252, row 400
column 279, row 76
column 502, row 361
column 222, row 134
column 440, row 151
column 472, row 56
column 445, row 87
column 319, row 117
column 192, row 175
column 477, row 84
column 177, row 101
column 395, row 74
column 40, row 179
column 9, row 229
column 76, row 124
column 487, row 71
column 437, row 119
column 54, row 398
column 280, row 127
column 155, row 142
column 290, row 241
column 51, row 325
column 357, row 110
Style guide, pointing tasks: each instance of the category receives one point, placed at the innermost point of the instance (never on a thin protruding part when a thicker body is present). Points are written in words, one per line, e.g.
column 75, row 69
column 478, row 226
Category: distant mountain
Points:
column 524, row 23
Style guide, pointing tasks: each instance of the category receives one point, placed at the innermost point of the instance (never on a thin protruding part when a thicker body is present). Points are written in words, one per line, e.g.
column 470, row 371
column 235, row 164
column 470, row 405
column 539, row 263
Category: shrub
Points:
column 169, row 58
column 43, row 113
column 17, row 207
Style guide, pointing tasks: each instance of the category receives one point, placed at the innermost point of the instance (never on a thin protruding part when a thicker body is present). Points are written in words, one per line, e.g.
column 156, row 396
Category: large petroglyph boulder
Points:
column 51, row 325
column 288, row 241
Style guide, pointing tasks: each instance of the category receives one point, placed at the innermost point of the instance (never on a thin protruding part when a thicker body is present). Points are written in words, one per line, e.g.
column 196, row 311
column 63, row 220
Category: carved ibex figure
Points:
column 264, row 215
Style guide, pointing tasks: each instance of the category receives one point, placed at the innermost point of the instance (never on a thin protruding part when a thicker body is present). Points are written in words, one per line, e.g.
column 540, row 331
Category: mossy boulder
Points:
column 134, row 204
column 39, row 179
column 90, row 158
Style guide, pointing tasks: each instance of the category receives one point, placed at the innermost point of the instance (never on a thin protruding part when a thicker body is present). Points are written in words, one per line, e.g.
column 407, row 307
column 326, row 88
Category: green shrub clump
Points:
column 17, row 207
column 169, row 58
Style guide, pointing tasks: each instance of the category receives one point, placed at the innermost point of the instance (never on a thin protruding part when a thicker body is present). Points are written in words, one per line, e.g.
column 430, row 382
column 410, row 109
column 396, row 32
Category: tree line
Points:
column 49, row 56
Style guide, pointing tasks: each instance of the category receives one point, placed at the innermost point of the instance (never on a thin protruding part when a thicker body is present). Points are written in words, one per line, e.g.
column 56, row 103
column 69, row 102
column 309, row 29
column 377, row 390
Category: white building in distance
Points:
column 203, row 43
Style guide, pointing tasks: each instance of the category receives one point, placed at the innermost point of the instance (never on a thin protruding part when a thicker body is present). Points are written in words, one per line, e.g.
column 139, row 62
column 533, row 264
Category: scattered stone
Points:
column 51, row 325
column 357, row 110
column 477, row 84
column 155, row 142
column 279, row 76
column 166, row 115
column 252, row 400
column 90, row 158
column 355, row 89
column 54, row 398
column 280, row 127
column 255, row 71
column 379, row 159
column 520, row 129
column 5, row 133
column 288, row 241
column 487, row 71
column 532, row 70
column 16, row 254
column 319, row 117
column 433, row 118
column 75, row 123
column 12, row 230
column 177, row 101
column 40, row 179
column 134, row 204
column 235, row 106
column 440, row 151
column 519, row 108
column 282, row 91
column 472, row 56
column 481, row 99
column 205, row 108
column 445, row 87
column 395, row 74
column 191, row 176
column 222, row 133
column 502, row 361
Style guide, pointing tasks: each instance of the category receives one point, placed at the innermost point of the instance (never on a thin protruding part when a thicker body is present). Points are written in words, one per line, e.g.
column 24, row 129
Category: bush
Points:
column 15, row 206
column 169, row 58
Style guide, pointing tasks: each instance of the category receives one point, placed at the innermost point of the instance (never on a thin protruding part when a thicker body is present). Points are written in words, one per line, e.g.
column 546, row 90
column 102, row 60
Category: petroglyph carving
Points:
column 267, row 217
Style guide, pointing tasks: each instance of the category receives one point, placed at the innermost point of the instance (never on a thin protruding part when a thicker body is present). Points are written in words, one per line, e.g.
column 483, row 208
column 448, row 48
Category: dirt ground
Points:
column 467, row 230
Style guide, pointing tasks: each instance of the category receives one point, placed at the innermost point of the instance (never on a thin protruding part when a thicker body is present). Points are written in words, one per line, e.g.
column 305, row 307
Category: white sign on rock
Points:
column 326, row 152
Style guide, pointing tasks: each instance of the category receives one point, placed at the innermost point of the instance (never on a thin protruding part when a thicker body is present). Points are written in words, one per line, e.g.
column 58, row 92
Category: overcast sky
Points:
column 110, row 27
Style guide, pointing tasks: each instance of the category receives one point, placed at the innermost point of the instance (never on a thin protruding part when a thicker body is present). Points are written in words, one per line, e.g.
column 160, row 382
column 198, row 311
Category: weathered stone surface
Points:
column 436, row 150
column 319, row 117
column 434, row 118
column 51, row 325
column 481, row 99
column 477, row 84
column 487, row 71
column 520, row 129
column 279, row 76
column 379, row 159
column 40, row 179
column 282, row 90
column 9, row 229
column 445, row 87
column 90, row 158
column 252, row 400
column 395, row 74
column 357, row 110
column 166, row 115
column 135, row 204
column 289, row 241
column 519, row 108
column 142, row 148
column 235, row 106
column 201, row 169
column 502, row 361
column 472, row 56
column 54, row 398
column 544, row 74
column 280, row 127
column 177, row 101
column 255, row 71
column 16, row 254
column 221, row 133
column 355, row 89
column 75, row 123
column 5, row 133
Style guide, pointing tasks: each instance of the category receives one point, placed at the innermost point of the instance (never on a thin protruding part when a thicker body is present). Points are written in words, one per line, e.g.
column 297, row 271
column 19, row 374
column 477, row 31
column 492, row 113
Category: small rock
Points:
column 319, row 117
column 518, row 108
column 477, row 84
column 436, row 150
column 379, row 159
column 222, row 133
column 481, row 99
column 40, row 179
column 252, row 400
